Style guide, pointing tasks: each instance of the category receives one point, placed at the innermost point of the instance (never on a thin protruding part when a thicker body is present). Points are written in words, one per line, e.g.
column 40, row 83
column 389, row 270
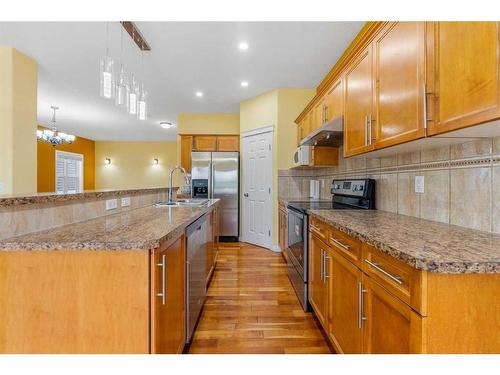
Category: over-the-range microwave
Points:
column 302, row 155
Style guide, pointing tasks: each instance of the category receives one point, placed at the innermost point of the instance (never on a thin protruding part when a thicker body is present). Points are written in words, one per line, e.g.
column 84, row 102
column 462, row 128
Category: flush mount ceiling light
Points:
column 244, row 84
column 53, row 136
column 166, row 124
column 199, row 94
column 243, row 46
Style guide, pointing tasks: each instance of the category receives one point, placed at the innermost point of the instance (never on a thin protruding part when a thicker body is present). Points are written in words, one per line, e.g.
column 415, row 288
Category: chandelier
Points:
column 53, row 136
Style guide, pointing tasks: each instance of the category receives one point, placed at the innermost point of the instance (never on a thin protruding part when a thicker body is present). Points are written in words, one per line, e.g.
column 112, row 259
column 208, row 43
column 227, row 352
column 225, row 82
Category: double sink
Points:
column 183, row 203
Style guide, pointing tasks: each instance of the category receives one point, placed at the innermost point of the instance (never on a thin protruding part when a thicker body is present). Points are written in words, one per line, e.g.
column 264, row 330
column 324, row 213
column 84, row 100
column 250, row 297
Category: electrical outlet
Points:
column 126, row 202
column 419, row 184
column 111, row 204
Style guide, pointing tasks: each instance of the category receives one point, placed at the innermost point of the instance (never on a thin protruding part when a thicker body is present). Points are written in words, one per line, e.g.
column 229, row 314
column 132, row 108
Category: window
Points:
column 69, row 172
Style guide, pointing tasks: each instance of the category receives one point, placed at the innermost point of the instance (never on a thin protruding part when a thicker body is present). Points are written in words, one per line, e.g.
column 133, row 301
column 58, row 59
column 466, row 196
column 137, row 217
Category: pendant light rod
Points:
column 136, row 35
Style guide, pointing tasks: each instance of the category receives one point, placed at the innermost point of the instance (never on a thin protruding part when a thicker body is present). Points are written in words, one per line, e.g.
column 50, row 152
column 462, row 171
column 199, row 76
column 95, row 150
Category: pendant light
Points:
column 133, row 93
column 53, row 136
column 142, row 104
column 106, row 72
column 122, row 87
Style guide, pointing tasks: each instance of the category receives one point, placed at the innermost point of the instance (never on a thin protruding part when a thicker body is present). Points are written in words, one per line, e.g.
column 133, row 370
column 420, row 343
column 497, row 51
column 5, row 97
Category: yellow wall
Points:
column 46, row 160
column 132, row 164
column 206, row 123
column 18, row 115
column 278, row 108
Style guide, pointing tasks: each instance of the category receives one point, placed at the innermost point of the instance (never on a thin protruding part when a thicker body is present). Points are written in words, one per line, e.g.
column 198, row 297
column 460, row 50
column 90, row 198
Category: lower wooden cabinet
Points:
column 318, row 278
column 344, row 318
column 282, row 225
column 167, row 299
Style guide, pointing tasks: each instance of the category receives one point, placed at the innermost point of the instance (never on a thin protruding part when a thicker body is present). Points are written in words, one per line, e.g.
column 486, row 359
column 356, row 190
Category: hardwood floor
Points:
column 251, row 307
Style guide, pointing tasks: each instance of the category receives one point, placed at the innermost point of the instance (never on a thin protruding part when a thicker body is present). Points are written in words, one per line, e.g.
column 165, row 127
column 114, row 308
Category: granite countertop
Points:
column 142, row 229
column 423, row 244
column 24, row 199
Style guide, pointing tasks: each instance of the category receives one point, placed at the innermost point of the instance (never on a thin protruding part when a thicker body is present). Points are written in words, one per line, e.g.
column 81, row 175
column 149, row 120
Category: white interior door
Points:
column 257, row 180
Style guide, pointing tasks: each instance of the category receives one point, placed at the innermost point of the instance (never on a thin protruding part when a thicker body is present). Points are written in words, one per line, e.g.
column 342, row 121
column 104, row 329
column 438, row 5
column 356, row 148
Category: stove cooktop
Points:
column 318, row 205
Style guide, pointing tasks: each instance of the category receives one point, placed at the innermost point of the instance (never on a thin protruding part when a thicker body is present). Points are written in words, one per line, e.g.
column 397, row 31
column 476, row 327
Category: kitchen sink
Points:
column 183, row 203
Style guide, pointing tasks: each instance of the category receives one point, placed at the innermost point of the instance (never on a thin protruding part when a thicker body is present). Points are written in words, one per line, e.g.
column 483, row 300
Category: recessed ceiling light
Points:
column 243, row 46
column 199, row 94
column 166, row 124
column 244, row 84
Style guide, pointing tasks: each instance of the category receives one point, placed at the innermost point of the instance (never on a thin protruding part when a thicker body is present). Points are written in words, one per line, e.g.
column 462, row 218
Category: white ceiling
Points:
column 185, row 57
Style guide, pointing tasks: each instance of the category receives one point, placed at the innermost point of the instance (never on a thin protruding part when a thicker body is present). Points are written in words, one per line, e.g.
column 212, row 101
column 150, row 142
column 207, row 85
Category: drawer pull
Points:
column 345, row 247
column 396, row 279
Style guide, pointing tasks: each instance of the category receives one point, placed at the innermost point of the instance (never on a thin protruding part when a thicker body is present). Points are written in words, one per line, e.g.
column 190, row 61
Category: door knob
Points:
column 246, row 194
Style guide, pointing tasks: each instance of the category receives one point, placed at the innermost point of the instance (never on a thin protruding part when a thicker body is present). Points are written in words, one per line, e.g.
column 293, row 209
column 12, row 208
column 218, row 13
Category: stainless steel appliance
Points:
column 346, row 194
column 216, row 175
column 330, row 134
column 196, row 260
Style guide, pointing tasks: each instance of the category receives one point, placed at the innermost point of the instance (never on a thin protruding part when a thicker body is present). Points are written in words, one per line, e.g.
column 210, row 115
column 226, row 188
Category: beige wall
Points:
column 18, row 122
column 278, row 108
column 132, row 164
column 208, row 123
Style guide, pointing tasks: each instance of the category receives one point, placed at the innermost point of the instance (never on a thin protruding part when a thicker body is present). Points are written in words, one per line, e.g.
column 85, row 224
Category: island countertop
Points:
column 139, row 229
column 423, row 244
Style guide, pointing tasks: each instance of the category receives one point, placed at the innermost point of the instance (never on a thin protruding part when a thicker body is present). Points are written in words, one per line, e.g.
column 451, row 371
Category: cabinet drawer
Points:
column 347, row 246
column 318, row 228
column 398, row 278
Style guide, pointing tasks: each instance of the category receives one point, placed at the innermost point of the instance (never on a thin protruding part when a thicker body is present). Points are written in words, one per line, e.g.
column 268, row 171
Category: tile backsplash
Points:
column 462, row 182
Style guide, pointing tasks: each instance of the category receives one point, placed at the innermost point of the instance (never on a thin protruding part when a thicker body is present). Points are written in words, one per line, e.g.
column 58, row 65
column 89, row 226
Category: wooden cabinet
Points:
column 345, row 284
column 399, row 53
column 303, row 129
column 358, row 108
column 205, row 143
column 464, row 74
column 389, row 325
column 318, row 113
column 186, row 148
column 318, row 278
column 282, row 224
column 334, row 103
column 228, row 143
column 167, row 298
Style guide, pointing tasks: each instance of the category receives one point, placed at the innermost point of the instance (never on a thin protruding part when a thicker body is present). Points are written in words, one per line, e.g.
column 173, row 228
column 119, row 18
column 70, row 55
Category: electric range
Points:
column 352, row 194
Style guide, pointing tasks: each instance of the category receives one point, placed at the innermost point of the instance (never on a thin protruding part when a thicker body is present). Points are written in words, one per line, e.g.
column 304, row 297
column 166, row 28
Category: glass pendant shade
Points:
column 133, row 97
column 142, row 105
column 107, row 78
column 122, row 89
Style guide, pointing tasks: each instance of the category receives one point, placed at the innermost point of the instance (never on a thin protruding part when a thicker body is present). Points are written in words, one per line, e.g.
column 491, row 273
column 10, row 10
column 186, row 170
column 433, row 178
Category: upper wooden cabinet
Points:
column 186, row 147
column 399, row 52
column 334, row 102
column 359, row 104
column 463, row 70
column 228, row 143
column 205, row 143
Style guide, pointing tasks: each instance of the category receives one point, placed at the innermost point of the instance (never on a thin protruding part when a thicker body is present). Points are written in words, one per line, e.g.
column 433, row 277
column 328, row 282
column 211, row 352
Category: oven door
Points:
column 297, row 240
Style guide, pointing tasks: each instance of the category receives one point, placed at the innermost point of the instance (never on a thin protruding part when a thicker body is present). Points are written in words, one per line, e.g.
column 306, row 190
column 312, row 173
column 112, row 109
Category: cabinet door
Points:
column 318, row 296
column 228, row 143
column 390, row 326
column 205, row 143
column 345, row 283
column 358, row 104
column 318, row 115
column 334, row 101
column 463, row 67
column 186, row 148
column 168, row 309
column 399, row 51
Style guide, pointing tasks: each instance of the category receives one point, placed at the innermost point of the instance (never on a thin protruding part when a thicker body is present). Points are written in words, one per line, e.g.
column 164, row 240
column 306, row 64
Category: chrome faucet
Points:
column 186, row 181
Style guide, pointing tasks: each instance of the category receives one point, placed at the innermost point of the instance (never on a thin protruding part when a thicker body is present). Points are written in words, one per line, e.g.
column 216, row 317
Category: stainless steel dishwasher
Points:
column 196, row 260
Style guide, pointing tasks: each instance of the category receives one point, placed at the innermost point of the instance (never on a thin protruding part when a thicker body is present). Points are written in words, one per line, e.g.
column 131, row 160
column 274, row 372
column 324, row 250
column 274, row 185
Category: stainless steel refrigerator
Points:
column 216, row 175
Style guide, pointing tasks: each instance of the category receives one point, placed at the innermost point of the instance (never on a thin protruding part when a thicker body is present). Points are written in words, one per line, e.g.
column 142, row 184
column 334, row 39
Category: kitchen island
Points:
column 112, row 284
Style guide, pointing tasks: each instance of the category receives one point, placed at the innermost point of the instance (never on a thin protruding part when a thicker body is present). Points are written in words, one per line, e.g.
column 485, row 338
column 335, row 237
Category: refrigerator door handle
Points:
column 211, row 192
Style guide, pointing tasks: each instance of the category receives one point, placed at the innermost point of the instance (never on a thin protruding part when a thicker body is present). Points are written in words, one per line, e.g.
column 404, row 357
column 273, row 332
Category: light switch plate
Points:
column 419, row 184
column 126, row 202
column 111, row 204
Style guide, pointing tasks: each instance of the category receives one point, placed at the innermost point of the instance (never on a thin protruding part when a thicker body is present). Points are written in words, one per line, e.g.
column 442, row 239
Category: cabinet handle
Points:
column 345, row 247
column 369, row 129
column 325, row 267
column 321, row 265
column 396, row 279
column 360, row 305
column 424, row 105
column 326, row 113
column 163, row 293
column 366, row 130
